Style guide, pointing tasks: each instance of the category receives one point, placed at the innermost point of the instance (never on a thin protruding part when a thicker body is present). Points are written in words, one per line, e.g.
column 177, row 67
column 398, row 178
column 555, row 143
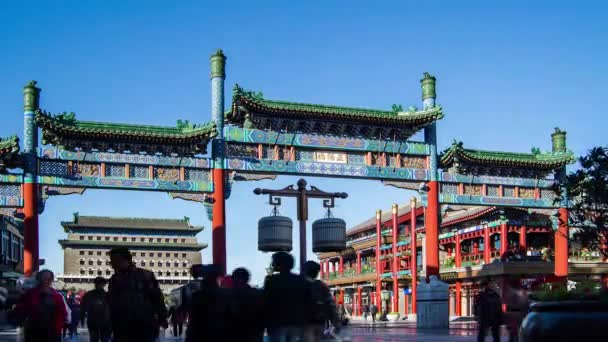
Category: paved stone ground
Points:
column 358, row 332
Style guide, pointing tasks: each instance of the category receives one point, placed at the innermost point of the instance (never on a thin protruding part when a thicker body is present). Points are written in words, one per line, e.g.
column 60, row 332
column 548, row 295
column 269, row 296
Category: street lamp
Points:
column 329, row 234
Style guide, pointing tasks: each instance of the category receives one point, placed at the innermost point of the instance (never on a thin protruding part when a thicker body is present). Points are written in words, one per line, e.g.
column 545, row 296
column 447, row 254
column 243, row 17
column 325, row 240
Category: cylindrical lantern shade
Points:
column 274, row 234
column 328, row 235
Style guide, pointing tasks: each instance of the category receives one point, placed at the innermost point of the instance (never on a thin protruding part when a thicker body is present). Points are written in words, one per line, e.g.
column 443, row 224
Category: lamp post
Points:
column 302, row 195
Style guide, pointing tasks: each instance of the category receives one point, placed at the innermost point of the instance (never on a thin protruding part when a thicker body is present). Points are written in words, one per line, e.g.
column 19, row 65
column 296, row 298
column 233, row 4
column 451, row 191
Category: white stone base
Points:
column 432, row 305
column 411, row 317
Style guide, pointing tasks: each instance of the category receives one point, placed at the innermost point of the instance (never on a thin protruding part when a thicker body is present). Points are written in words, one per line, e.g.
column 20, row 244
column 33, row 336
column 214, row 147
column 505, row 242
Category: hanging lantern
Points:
column 328, row 235
column 274, row 233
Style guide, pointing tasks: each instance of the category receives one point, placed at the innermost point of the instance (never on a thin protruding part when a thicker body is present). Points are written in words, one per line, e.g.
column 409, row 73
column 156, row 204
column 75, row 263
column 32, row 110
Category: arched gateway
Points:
column 259, row 138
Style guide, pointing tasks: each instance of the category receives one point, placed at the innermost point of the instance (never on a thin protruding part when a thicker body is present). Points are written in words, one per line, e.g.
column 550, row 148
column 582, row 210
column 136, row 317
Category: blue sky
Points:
column 508, row 73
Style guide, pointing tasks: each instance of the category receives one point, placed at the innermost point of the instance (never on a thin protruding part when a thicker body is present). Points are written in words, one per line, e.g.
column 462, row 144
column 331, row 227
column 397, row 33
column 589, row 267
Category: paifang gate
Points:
column 257, row 138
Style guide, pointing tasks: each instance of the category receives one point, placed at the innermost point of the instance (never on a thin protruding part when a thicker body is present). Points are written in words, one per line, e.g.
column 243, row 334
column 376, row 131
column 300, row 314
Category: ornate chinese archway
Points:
column 259, row 138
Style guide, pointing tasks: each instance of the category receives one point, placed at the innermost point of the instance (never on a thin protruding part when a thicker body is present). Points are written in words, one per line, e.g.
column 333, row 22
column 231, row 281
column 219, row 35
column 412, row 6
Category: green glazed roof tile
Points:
column 9, row 150
column 536, row 160
column 256, row 102
column 65, row 126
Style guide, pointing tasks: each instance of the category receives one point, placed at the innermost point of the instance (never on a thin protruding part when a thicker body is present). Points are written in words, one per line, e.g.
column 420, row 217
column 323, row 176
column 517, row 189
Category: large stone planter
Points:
column 566, row 321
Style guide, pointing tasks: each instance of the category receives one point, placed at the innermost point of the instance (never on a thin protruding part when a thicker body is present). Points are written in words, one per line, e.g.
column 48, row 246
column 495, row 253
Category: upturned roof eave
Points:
column 242, row 98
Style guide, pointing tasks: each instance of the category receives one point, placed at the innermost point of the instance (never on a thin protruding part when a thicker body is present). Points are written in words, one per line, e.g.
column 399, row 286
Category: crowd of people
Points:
column 290, row 307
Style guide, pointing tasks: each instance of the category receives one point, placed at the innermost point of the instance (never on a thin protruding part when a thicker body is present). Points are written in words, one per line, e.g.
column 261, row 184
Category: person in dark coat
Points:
column 209, row 317
column 177, row 317
column 95, row 307
column 288, row 299
column 488, row 311
column 137, row 305
column 248, row 305
column 324, row 309
column 374, row 312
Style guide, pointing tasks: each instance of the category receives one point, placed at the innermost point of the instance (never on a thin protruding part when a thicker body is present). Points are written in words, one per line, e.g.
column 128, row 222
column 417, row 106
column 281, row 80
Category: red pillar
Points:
column 218, row 228
column 458, row 308
column 395, row 261
column 358, row 262
column 486, row 245
column 413, row 264
column 341, row 265
column 378, row 263
column 475, row 247
column 322, row 271
column 432, row 230
column 504, row 239
column 30, row 228
column 458, row 257
column 523, row 244
column 359, row 293
column 561, row 245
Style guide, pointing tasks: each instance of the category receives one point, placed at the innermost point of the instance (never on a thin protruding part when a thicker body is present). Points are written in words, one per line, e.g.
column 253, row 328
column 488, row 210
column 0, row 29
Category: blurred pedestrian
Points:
column 374, row 312
column 177, row 317
column 137, row 305
column 516, row 300
column 488, row 311
column 247, row 309
column 42, row 310
column 284, row 291
column 324, row 309
column 95, row 307
column 365, row 311
column 209, row 317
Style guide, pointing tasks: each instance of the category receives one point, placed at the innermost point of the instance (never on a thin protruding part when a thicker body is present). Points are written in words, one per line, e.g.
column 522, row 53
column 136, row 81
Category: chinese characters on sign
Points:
column 331, row 157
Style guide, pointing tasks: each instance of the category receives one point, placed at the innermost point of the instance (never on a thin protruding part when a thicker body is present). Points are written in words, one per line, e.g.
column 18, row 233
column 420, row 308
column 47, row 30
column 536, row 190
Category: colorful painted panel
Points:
column 497, row 180
column 49, row 152
column 255, row 136
column 128, row 184
column 495, row 201
column 9, row 178
column 10, row 202
column 326, row 169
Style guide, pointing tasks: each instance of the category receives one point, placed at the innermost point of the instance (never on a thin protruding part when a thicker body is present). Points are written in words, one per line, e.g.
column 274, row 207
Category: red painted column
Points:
column 358, row 262
column 341, row 265
column 31, row 97
column 30, row 228
column 359, row 301
column 432, row 230
column 504, row 239
column 407, row 304
column 523, row 244
column 458, row 308
column 322, row 271
column 218, row 225
column 561, row 245
column 486, row 245
column 395, row 261
column 475, row 248
column 413, row 264
column 458, row 257
column 378, row 263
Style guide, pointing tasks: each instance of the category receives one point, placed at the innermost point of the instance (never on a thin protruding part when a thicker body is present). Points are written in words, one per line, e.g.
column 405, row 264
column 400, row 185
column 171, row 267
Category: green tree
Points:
column 587, row 191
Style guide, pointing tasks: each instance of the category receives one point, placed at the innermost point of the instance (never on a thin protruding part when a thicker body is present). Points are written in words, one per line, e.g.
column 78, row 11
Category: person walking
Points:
column 365, row 311
column 137, row 305
column 488, row 312
column 42, row 310
column 209, row 316
column 247, row 305
column 516, row 301
column 74, row 305
column 374, row 312
column 96, row 309
column 177, row 317
column 284, row 291
column 324, row 309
